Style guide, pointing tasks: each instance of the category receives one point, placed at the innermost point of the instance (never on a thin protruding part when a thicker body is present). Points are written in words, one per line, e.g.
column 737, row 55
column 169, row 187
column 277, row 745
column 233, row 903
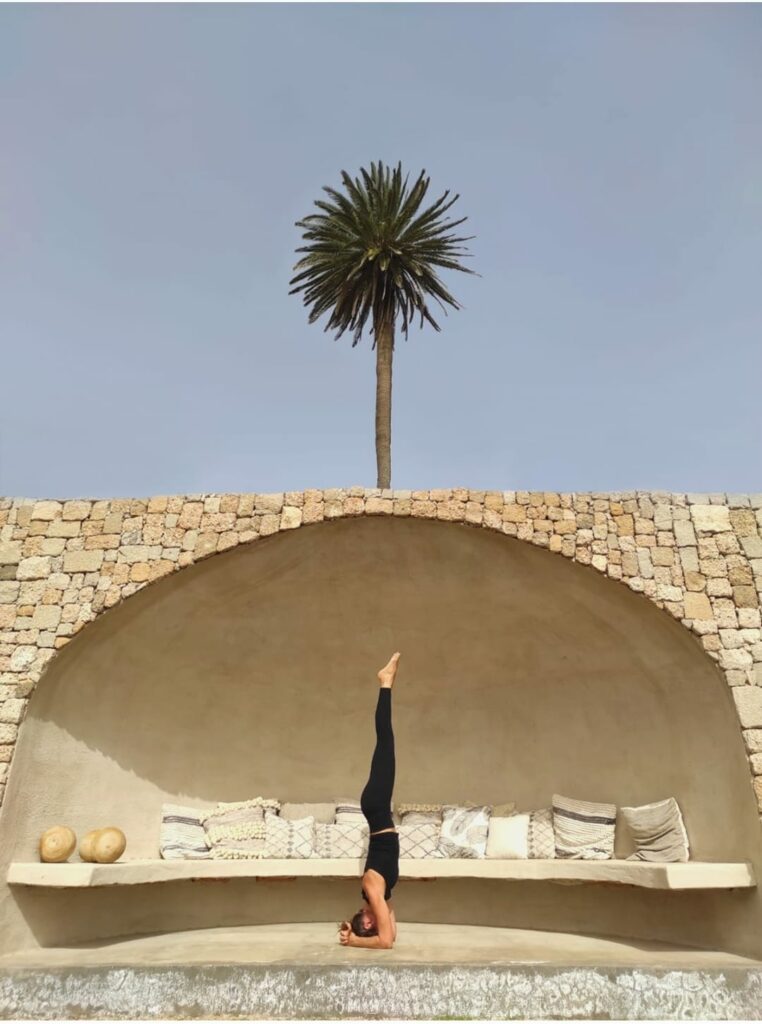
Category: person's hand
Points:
column 345, row 930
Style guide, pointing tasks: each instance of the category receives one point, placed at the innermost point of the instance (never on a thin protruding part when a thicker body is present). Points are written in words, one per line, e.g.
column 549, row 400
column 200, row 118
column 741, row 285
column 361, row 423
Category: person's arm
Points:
column 368, row 941
column 394, row 923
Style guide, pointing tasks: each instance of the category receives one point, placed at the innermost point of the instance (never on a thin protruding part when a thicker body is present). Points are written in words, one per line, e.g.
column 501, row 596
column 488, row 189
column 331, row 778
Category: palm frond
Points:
column 371, row 252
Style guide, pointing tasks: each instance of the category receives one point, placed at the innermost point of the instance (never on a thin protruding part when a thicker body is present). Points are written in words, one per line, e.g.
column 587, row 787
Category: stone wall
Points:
column 697, row 556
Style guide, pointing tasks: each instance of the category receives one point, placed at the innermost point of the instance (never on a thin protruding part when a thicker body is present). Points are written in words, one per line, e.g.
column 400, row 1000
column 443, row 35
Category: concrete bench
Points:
column 671, row 875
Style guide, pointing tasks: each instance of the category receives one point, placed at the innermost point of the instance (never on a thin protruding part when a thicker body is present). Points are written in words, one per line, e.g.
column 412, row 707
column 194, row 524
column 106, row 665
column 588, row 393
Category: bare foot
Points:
column 388, row 672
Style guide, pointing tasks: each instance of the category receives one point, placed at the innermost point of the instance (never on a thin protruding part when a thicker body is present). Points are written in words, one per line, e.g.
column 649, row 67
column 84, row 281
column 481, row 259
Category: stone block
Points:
column 745, row 597
column 46, row 510
column 82, row 561
column 10, row 552
column 749, row 705
column 76, row 510
column 711, row 518
column 36, row 568
column 46, row 616
column 12, row 711
column 291, row 517
column 264, row 503
column 697, row 606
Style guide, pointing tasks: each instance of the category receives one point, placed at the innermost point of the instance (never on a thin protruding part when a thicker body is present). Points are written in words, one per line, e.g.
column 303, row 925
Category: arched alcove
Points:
column 253, row 673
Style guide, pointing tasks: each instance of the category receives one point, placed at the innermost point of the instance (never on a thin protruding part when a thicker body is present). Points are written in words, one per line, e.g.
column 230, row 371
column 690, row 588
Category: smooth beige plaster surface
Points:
column 253, row 673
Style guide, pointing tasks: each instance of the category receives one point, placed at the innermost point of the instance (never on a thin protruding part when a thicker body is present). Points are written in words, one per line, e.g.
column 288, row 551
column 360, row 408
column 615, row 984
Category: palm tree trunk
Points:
column 384, row 334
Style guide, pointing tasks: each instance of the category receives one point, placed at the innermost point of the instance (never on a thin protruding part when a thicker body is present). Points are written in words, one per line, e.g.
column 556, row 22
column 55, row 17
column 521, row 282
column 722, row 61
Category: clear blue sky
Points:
column 154, row 159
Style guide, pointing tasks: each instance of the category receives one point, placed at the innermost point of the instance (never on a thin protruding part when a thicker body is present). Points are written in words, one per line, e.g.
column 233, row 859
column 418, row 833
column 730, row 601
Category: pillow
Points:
column 324, row 813
column 292, row 839
column 348, row 811
column 419, row 814
column 341, row 840
column 464, row 831
column 542, row 840
column 238, row 828
column 508, row 837
column 504, row 810
column 658, row 830
column 583, row 829
column 182, row 834
column 419, row 839
column 266, row 803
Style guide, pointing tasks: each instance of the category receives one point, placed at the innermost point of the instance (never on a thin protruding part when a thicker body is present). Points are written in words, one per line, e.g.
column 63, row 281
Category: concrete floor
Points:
column 423, row 944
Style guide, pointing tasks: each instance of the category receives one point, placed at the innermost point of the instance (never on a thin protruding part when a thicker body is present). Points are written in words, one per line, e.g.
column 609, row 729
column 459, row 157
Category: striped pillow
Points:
column 348, row 811
column 182, row 834
column 583, row 830
column 658, row 830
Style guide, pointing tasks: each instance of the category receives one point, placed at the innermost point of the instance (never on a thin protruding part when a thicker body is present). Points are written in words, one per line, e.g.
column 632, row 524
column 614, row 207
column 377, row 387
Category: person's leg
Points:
column 376, row 798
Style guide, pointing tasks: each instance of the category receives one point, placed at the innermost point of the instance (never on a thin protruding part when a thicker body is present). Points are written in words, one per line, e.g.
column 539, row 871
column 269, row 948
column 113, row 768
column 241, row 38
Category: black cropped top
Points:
column 383, row 856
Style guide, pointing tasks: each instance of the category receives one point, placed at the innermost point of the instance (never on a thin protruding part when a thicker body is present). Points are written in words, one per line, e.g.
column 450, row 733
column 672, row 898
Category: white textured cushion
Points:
column 508, row 837
column 464, row 831
column 419, row 839
column 289, row 838
column 345, row 839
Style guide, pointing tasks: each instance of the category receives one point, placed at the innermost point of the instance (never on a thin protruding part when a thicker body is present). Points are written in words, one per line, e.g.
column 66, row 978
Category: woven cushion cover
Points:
column 341, row 839
column 583, row 829
column 182, row 834
column 289, row 838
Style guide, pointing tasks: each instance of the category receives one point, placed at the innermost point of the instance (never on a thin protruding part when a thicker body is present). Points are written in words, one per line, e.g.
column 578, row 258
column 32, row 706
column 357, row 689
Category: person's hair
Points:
column 357, row 925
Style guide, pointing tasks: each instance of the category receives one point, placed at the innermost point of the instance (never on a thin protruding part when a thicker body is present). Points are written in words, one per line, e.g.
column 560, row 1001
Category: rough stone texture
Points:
column 371, row 991
column 696, row 556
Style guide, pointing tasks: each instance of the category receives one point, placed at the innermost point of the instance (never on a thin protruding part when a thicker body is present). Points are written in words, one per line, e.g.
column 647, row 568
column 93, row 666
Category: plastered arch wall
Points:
column 697, row 556
column 70, row 561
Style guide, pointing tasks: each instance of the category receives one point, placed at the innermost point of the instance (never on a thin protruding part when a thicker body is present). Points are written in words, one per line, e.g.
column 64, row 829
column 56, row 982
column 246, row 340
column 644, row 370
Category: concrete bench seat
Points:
column 688, row 875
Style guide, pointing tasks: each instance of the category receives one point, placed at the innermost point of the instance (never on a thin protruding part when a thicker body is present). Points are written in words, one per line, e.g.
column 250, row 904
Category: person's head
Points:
column 364, row 922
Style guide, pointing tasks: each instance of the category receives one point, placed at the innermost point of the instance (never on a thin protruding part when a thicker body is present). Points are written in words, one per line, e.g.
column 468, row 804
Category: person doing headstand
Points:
column 374, row 926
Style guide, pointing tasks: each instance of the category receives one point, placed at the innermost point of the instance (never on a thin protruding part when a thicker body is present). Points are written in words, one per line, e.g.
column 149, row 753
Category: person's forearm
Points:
column 366, row 942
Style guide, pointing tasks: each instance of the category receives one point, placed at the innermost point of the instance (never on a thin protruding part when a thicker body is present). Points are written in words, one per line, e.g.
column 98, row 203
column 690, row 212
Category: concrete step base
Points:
column 374, row 992
column 299, row 971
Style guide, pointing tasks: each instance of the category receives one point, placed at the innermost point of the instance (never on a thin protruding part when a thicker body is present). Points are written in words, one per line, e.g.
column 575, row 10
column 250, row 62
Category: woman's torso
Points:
column 383, row 857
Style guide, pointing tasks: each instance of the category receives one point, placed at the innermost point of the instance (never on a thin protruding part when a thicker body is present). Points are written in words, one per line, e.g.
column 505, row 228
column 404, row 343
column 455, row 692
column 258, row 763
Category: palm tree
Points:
column 372, row 252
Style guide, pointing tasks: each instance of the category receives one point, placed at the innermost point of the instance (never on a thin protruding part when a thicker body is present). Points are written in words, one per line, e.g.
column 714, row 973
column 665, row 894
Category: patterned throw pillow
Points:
column 341, row 840
column 508, row 837
column 348, row 811
column 324, row 813
column 182, row 834
column 293, row 839
column 658, row 830
column 236, row 829
column 584, row 830
column 542, row 840
column 419, row 839
column 464, row 831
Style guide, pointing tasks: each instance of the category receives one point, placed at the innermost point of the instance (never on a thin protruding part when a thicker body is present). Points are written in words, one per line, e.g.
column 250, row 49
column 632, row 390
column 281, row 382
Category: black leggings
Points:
column 376, row 798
